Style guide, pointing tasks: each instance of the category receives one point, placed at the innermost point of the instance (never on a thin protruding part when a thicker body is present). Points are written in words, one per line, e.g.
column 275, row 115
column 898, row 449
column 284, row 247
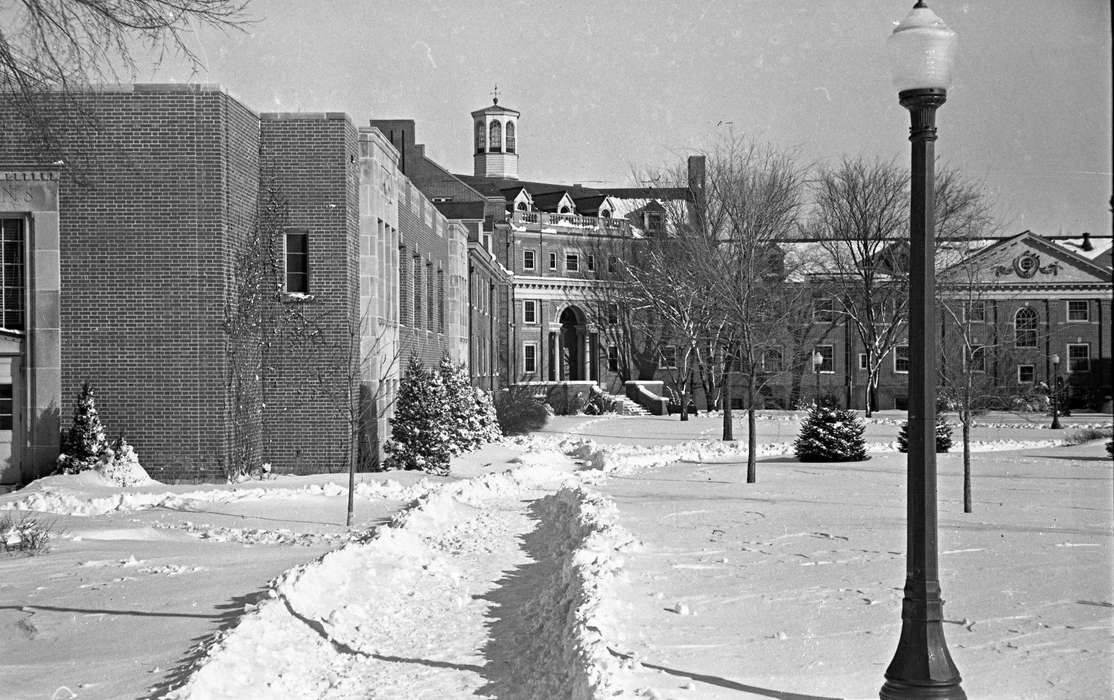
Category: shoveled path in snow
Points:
column 466, row 593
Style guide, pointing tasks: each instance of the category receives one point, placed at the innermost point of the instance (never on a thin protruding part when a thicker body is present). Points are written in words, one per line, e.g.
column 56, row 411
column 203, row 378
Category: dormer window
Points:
column 495, row 139
column 521, row 206
column 605, row 214
column 565, row 210
column 510, row 137
column 480, row 134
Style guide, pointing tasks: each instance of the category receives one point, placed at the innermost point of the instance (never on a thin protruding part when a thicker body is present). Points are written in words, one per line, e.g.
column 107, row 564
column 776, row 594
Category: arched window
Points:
column 564, row 210
column 521, row 206
column 605, row 213
column 480, row 133
column 495, row 139
column 1025, row 328
column 510, row 137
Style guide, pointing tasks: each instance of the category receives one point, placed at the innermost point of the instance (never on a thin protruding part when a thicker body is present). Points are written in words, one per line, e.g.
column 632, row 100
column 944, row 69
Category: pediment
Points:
column 1027, row 260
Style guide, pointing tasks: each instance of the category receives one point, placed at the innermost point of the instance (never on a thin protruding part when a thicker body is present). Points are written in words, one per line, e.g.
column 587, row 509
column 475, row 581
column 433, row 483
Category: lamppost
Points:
column 1054, row 391
column 921, row 50
column 817, row 360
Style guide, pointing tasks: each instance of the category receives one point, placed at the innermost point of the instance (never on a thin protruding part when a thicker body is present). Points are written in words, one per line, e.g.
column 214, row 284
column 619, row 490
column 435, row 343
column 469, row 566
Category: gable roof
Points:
column 1029, row 259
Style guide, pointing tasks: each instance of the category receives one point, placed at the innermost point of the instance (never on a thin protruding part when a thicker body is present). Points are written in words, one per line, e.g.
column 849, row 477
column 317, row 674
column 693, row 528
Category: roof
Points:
column 461, row 210
column 496, row 108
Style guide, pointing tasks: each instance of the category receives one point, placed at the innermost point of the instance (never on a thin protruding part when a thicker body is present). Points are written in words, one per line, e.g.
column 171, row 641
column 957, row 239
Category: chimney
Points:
column 1087, row 241
column 696, row 175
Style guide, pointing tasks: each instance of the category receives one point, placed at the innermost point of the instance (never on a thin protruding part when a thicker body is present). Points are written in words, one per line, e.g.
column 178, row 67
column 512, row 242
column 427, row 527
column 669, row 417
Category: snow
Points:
column 603, row 557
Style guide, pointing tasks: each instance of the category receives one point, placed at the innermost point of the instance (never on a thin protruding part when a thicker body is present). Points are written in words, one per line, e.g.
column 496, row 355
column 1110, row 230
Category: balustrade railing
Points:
column 599, row 223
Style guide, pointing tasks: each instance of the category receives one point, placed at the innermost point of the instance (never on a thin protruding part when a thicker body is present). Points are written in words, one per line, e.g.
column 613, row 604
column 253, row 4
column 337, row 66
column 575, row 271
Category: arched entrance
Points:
column 572, row 345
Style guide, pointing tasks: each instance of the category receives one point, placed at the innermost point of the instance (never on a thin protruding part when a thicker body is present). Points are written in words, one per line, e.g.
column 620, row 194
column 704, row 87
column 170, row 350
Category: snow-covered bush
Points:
column 489, row 420
column 420, row 439
column 470, row 418
column 29, row 535
column 943, row 436
column 519, row 412
column 85, row 441
column 120, row 465
column 831, row 434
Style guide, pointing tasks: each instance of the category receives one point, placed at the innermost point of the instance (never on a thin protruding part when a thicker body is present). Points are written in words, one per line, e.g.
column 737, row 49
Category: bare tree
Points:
column 51, row 48
column 748, row 210
column 860, row 219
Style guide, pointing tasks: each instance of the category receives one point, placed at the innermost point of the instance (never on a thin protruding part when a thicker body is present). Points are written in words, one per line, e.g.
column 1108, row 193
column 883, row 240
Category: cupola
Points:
column 495, row 135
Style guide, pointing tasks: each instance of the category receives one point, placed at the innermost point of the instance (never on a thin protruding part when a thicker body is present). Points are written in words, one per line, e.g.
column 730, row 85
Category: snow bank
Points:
column 630, row 459
column 70, row 495
column 591, row 559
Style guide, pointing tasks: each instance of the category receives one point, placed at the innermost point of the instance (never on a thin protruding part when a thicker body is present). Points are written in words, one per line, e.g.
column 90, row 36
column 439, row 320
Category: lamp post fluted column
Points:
column 922, row 666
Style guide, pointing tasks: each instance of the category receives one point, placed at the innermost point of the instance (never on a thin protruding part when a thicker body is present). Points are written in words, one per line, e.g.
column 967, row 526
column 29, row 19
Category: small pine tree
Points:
column 831, row 434
column 489, row 419
column 85, row 441
column 462, row 420
column 420, row 439
column 943, row 436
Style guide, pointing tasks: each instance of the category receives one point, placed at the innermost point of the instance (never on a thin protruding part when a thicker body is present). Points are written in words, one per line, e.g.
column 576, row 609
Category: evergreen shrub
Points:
column 831, row 434
column 943, row 436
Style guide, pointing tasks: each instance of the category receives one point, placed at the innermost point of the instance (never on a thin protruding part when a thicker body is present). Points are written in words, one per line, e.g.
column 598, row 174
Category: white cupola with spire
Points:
column 495, row 130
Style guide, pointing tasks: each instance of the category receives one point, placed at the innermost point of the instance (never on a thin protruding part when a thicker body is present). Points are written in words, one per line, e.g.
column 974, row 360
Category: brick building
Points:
column 226, row 280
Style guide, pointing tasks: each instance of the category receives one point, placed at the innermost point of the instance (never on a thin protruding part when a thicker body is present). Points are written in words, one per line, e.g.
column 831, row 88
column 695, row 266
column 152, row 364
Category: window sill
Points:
column 295, row 298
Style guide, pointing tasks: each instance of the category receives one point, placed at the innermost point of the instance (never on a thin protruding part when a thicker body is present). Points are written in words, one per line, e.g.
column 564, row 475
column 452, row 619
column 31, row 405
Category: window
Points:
column 977, row 363
column 510, row 137
column 521, row 206
column 297, row 263
column 653, row 222
column 612, row 314
column 901, row 359
column 553, row 261
column 612, row 358
column 1079, row 311
column 11, row 274
column 612, row 264
column 1025, row 374
column 418, row 270
column 528, row 260
column 530, row 311
column 590, row 263
column 5, row 406
column 480, row 133
column 1079, row 357
column 495, row 139
column 772, row 359
column 974, row 311
column 1025, row 328
column 530, row 358
column 668, row 357
column 827, row 355
column 572, row 262
column 823, row 309
column 862, row 362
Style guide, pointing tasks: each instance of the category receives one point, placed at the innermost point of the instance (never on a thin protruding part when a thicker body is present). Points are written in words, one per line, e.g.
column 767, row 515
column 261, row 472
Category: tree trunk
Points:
column 752, row 439
column 728, row 432
column 967, row 508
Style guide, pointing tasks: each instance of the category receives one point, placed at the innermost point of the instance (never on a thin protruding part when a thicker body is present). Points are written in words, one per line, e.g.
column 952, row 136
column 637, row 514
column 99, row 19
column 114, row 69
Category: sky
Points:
column 608, row 89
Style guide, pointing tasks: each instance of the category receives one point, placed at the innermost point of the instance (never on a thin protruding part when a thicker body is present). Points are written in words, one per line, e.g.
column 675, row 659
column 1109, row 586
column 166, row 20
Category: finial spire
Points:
column 495, row 95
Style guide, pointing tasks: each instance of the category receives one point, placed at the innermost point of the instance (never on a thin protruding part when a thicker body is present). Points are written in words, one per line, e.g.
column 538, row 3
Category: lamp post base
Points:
column 896, row 690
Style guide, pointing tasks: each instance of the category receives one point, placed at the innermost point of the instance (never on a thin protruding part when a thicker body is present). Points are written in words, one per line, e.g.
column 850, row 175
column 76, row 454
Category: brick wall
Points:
column 144, row 250
column 309, row 165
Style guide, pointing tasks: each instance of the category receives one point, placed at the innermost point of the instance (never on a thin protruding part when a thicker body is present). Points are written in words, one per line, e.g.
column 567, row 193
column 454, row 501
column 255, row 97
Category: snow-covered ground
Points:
column 605, row 556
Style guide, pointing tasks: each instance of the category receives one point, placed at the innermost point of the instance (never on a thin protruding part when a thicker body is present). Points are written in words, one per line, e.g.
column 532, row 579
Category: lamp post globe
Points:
column 922, row 49
column 817, row 361
column 1054, row 391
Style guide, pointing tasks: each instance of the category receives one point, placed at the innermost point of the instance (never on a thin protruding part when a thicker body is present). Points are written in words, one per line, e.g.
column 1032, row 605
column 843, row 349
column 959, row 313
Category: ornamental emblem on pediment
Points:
column 1027, row 265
